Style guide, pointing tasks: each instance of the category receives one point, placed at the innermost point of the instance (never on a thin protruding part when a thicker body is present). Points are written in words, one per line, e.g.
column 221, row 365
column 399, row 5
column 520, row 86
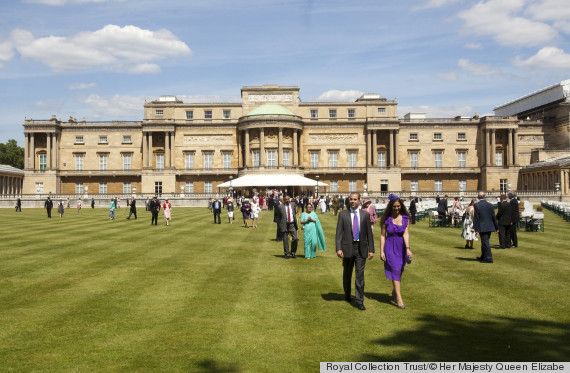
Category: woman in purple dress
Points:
column 395, row 244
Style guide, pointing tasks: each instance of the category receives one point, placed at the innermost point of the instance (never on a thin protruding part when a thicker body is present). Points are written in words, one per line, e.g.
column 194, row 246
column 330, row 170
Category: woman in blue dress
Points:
column 395, row 244
column 312, row 233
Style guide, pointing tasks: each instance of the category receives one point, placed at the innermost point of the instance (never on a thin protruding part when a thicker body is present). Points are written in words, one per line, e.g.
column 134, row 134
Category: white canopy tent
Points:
column 271, row 180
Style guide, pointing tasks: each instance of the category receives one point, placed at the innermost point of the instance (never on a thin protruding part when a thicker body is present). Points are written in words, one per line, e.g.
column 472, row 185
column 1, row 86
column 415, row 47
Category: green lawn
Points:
column 84, row 293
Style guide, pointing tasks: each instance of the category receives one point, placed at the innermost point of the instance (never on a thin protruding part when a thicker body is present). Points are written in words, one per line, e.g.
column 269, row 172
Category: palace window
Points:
column 438, row 185
column 103, row 162
column 79, row 162
column 383, row 185
column 126, row 162
column 437, row 136
column 189, row 161
column 227, row 114
column 159, row 112
column 189, row 114
column 314, row 160
column 79, row 140
column 351, row 159
column 39, row 188
column 102, row 139
column 499, row 158
column 208, row 160
column 207, row 114
column 413, row 137
column 158, row 187
column 286, row 158
column 102, row 188
column 352, row 186
column 333, row 159
column 256, row 158
column 314, row 113
column 227, row 160
column 437, row 157
column 127, row 140
column 189, row 187
column 414, row 185
column 504, row 185
column 271, row 158
column 334, row 186
column 207, row 187
column 351, row 113
column 332, row 113
column 126, row 188
column 462, row 157
column 160, row 161
column 461, row 136
column 414, row 159
column 381, row 110
column 381, row 159
column 78, row 188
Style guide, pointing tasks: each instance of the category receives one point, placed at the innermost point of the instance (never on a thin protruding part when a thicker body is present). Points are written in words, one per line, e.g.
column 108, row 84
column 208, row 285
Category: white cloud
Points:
column 437, row 111
column 546, row 58
column 77, row 86
column 208, row 98
column 50, row 105
column 473, row 45
column 6, row 52
column 336, row 95
column 116, row 106
column 477, row 68
column 112, row 47
column 447, row 76
column 144, row 68
column 435, row 4
column 501, row 20
column 563, row 26
column 64, row 2
column 549, row 10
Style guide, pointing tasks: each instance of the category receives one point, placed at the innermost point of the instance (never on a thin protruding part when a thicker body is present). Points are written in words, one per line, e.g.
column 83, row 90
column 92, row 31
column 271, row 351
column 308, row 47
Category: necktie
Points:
column 288, row 214
column 355, row 228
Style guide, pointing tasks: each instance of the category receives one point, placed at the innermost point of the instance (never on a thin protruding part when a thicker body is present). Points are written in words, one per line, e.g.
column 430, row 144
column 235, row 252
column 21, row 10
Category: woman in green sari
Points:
column 312, row 233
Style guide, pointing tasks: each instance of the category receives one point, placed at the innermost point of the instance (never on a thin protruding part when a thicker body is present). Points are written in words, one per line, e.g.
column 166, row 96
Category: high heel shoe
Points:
column 402, row 307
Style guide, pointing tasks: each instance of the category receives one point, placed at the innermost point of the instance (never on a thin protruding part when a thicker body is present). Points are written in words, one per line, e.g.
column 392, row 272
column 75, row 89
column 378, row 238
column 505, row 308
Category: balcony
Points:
column 440, row 170
column 335, row 170
column 133, row 172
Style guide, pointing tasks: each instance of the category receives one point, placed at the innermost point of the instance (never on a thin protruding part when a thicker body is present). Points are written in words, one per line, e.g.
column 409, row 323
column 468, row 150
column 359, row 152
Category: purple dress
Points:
column 394, row 248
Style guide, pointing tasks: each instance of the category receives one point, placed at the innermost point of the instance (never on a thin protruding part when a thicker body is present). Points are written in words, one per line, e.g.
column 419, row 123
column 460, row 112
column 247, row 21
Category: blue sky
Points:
column 101, row 59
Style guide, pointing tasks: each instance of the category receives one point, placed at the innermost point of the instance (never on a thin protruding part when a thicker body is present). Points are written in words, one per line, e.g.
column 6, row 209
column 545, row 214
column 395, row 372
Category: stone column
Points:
column 262, row 155
column 167, row 149
column 33, row 151
column 515, row 147
column 144, row 149
column 374, row 148
column 239, row 149
column 55, row 151
column 26, row 151
column 396, row 145
column 368, row 146
column 173, row 150
column 246, row 141
column 301, row 150
column 48, row 155
column 150, row 159
column 391, row 148
column 295, row 150
column 493, row 148
column 1, row 186
column 487, row 150
column 510, row 152
column 280, row 146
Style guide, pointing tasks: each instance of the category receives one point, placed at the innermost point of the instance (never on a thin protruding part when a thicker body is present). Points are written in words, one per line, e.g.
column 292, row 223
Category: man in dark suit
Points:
column 515, row 217
column 354, row 244
column 442, row 206
column 217, row 207
column 278, row 201
column 133, row 209
column 154, row 206
column 48, row 205
column 287, row 223
column 504, row 220
column 413, row 210
column 484, row 223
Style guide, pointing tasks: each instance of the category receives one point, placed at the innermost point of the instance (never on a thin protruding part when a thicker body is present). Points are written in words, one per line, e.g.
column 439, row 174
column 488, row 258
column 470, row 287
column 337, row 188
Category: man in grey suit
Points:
column 287, row 223
column 484, row 223
column 354, row 244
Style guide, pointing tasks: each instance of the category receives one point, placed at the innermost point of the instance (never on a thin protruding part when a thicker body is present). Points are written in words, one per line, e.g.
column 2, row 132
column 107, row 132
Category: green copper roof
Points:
column 270, row 109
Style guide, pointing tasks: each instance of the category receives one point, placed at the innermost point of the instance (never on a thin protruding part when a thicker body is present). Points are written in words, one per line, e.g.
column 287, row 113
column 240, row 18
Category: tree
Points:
column 11, row 154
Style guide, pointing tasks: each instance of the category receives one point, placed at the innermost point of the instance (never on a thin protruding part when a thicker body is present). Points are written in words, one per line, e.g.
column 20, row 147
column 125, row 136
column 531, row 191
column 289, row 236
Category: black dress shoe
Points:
column 479, row 258
column 287, row 256
column 293, row 255
column 347, row 298
column 487, row 261
column 361, row 307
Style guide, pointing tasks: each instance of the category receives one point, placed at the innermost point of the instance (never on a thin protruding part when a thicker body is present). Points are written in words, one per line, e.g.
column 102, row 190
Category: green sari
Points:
column 313, row 235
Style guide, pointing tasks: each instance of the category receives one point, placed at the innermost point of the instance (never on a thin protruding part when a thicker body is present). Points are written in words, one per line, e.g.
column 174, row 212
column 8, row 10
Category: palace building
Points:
column 363, row 145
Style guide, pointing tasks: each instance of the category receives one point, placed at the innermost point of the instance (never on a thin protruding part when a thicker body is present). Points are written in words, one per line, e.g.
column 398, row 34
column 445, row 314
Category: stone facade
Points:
column 363, row 146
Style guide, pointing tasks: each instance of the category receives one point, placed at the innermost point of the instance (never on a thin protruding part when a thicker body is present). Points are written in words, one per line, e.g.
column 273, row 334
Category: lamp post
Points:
column 317, row 186
column 134, row 191
column 365, row 194
column 182, row 191
column 86, row 190
column 230, row 189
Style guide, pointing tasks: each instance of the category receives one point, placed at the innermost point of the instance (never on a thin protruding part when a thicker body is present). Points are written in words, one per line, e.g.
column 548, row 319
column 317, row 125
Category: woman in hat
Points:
column 230, row 210
column 166, row 207
column 246, row 211
column 367, row 206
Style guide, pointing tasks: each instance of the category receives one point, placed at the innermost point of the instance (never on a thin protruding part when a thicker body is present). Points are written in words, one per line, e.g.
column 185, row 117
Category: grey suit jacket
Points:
column 282, row 216
column 344, row 234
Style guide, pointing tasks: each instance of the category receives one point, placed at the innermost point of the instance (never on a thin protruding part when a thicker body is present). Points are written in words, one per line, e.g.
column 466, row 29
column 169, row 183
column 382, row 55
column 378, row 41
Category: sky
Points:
column 101, row 59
